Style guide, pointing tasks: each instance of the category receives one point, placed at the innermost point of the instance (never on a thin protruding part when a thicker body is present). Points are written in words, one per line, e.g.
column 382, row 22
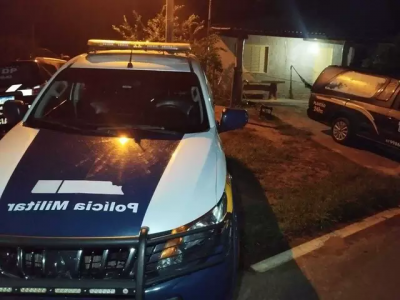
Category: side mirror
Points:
column 14, row 111
column 233, row 119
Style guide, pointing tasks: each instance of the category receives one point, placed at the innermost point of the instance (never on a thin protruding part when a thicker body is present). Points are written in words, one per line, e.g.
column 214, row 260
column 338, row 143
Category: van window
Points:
column 49, row 68
column 356, row 84
column 388, row 91
column 397, row 102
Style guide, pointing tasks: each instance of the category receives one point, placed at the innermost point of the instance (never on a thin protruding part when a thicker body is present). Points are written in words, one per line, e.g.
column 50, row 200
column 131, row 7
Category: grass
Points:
column 298, row 189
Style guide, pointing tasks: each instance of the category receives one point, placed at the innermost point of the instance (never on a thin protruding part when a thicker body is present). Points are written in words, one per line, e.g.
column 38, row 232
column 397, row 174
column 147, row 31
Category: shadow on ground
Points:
column 362, row 144
column 261, row 237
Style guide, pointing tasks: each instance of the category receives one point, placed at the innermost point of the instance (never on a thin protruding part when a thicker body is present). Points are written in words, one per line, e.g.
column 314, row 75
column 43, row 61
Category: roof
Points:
column 141, row 60
column 372, row 22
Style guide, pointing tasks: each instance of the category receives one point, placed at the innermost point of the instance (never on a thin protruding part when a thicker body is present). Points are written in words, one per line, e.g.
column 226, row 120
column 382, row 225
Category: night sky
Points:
column 64, row 26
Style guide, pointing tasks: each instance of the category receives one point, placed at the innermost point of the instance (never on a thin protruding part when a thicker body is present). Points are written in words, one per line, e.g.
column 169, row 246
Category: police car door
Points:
column 393, row 137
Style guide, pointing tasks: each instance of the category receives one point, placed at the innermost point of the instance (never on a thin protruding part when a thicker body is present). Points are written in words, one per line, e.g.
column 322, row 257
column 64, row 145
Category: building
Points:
column 293, row 41
column 272, row 58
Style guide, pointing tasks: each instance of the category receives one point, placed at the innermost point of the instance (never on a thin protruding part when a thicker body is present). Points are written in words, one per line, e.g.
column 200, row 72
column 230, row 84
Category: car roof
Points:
column 141, row 60
column 40, row 59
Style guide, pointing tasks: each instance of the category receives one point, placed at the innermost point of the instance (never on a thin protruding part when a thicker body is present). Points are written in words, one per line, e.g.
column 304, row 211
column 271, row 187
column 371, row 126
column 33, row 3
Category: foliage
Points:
column 186, row 30
column 385, row 58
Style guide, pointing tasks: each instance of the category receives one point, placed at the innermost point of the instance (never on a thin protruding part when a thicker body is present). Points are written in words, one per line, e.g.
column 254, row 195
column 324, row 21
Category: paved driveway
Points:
column 363, row 266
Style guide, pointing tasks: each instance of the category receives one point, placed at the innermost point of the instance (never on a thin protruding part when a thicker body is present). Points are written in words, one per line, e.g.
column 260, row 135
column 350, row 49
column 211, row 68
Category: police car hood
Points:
column 55, row 184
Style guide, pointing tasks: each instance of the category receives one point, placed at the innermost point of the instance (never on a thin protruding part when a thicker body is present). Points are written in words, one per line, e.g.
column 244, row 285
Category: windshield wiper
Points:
column 56, row 123
column 138, row 127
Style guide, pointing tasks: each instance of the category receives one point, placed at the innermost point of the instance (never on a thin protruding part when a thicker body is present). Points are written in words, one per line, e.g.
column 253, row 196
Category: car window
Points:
column 25, row 73
column 397, row 102
column 47, row 70
column 388, row 91
column 125, row 97
column 357, row 84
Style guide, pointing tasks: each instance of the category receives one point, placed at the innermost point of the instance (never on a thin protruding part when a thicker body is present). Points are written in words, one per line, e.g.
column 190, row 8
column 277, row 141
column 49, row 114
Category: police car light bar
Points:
column 129, row 45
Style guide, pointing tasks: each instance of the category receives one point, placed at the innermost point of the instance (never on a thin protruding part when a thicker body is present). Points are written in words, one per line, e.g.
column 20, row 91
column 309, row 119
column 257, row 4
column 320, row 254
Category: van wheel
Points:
column 342, row 131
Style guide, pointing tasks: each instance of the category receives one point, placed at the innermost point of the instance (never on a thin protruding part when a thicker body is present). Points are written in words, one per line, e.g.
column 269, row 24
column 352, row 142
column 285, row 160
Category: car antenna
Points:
column 130, row 65
column 138, row 138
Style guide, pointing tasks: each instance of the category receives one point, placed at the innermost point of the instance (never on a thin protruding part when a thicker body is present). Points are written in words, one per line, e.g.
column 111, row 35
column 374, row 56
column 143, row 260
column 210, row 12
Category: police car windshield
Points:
column 103, row 98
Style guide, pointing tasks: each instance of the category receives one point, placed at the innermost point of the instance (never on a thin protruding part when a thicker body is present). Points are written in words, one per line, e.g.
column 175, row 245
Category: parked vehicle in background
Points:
column 23, row 80
column 357, row 104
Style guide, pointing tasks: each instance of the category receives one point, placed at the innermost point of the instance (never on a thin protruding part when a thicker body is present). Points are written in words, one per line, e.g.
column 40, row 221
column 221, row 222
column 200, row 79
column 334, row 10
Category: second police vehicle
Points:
column 357, row 104
column 23, row 79
column 114, row 182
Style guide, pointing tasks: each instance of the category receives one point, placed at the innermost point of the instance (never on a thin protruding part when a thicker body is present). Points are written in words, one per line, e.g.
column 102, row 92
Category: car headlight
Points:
column 174, row 250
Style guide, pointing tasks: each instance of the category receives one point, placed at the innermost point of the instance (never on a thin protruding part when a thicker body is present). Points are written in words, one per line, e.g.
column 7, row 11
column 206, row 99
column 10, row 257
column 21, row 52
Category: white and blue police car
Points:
column 114, row 182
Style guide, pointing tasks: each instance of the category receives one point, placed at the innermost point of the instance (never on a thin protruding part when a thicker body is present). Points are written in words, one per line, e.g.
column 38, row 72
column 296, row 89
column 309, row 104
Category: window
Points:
column 357, row 84
column 387, row 93
column 50, row 69
column 25, row 73
column 256, row 58
column 397, row 102
column 266, row 57
column 97, row 97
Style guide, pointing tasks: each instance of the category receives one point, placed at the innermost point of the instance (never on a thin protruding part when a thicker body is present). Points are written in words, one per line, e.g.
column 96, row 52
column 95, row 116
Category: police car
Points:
column 357, row 104
column 114, row 183
column 23, row 79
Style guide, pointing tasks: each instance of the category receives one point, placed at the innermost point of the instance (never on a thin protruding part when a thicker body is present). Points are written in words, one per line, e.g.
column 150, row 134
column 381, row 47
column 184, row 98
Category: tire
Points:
column 342, row 131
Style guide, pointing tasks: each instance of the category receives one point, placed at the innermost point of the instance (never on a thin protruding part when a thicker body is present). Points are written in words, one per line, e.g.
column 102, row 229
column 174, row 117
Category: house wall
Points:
column 309, row 58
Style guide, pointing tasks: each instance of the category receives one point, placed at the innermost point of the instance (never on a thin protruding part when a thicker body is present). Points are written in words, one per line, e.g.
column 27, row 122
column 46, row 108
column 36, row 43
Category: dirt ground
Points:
column 292, row 188
column 366, row 154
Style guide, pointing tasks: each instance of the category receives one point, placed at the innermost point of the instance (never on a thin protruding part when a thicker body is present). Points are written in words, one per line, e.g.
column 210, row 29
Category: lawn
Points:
column 292, row 189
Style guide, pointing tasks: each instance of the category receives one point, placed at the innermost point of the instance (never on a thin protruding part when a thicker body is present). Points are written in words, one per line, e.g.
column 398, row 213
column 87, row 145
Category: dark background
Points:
column 64, row 26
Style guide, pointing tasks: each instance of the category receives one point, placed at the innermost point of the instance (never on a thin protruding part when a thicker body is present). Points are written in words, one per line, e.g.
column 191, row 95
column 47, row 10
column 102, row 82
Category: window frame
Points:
column 396, row 102
column 261, row 65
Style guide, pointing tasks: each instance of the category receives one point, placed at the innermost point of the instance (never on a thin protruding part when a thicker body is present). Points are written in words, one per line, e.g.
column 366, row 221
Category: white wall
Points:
column 308, row 57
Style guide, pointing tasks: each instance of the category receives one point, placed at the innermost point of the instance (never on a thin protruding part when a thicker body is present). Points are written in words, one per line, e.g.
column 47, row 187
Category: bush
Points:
column 186, row 30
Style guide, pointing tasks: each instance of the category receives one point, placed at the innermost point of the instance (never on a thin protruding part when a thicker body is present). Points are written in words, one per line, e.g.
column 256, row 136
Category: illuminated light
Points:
column 28, row 92
column 5, row 290
column 128, row 45
column 123, row 140
column 4, row 99
column 67, row 291
column 102, row 291
column 33, row 290
column 13, row 88
column 314, row 48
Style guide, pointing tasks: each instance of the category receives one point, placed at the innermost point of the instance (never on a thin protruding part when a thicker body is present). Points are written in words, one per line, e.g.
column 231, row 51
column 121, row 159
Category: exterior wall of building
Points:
column 309, row 58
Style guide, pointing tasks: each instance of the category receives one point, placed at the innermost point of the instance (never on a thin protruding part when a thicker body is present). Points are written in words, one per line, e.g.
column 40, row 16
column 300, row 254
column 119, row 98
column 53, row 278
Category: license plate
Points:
column 6, row 98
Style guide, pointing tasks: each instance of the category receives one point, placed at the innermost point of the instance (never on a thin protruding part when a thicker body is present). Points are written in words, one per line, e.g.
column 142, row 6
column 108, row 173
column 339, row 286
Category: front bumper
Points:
column 212, row 279
column 214, row 283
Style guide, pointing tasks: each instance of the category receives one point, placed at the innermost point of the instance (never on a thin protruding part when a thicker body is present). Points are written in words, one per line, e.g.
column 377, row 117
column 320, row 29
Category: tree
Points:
column 188, row 30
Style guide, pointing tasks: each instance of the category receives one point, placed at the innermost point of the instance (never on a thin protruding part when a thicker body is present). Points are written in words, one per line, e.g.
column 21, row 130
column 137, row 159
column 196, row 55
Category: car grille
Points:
column 128, row 265
column 69, row 264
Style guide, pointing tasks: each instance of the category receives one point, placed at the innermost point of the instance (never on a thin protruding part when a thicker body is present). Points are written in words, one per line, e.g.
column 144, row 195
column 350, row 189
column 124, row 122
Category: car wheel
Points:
column 341, row 131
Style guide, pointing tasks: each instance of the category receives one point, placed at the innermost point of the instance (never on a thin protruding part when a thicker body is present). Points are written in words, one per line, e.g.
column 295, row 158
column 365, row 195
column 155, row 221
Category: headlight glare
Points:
column 174, row 249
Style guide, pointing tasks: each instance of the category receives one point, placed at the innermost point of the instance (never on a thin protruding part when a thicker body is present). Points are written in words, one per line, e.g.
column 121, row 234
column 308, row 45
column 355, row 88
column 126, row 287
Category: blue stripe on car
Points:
column 60, row 156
